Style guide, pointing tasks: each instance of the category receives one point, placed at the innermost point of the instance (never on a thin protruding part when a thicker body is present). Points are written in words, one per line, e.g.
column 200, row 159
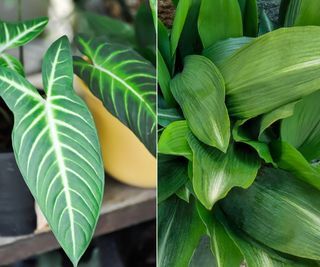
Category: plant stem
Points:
column 21, row 54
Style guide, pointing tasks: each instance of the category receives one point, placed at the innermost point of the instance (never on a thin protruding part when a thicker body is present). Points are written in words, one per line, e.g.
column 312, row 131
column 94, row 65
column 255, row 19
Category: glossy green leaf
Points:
column 125, row 83
column 268, row 73
column 221, row 50
column 202, row 101
column 17, row 34
column 164, row 45
column 168, row 115
column 279, row 211
column 288, row 158
column 164, row 78
column 190, row 43
column 242, row 134
column 184, row 193
column 181, row 14
column 219, row 20
column 302, row 130
column 172, row 174
column 153, row 7
column 57, row 149
column 249, row 11
column 303, row 13
column 179, row 232
column 226, row 252
column 173, row 140
column 215, row 173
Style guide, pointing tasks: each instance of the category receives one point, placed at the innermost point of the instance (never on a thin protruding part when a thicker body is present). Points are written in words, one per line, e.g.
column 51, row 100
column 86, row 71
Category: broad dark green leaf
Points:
column 215, row 172
column 57, row 149
column 303, row 13
column 179, row 232
column 184, row 193
column 17, row 34
column 172, row 175
column 168, row 115
column 219, row 20
column 164, row 45
column 288, row 158
column 202, row 101
column 124, row 82
column 249, row 11
column 268, row 73
column 144, row 28
column 283, row 11
column 279, row 211
column 226, row 252
column 113, row 29
column 173, row 140
column 221, row 50
column 302, row 130
column 181, row 14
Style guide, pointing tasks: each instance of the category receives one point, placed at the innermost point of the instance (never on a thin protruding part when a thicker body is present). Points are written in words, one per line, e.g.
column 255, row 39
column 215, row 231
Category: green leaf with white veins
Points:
column 57, row 149
column 17, row 34
column 125, row 83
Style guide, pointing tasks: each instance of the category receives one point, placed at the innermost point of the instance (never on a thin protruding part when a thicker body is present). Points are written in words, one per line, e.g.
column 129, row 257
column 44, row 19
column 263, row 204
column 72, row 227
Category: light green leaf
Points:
column 275, row 74
column 153, row 7
column 219, row 20
column 279, row 211
column 249, row 11
column 290, row 159
column 173, row 140
column 57, row 149
column 202, row 101
column 220, row 51
column 303, row 13
column 178, row 23
column 17, row 34
column 124, row 82
column 168, row 115
column 282, row 112
column 180, row 230
column 216, row 173
column 173, row 173
column 226, row 252
column 302, row 130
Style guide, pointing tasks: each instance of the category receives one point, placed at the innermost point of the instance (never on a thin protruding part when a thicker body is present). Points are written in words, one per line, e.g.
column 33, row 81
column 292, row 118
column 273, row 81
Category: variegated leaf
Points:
column 124, row 82
column 17, row 34
column 57, row 150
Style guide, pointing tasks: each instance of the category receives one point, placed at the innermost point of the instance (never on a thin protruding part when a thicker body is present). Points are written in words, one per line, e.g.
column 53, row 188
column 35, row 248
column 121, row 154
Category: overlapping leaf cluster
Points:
column 239, row 135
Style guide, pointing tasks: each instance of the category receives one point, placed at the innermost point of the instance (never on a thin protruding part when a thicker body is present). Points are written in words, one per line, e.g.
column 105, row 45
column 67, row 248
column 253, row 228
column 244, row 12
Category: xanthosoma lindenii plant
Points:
column 239, row 135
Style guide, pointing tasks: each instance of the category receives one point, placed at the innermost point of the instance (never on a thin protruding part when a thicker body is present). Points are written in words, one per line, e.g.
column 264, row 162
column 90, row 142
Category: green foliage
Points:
column 57, row 149
column 15, row 35
column 248, row 135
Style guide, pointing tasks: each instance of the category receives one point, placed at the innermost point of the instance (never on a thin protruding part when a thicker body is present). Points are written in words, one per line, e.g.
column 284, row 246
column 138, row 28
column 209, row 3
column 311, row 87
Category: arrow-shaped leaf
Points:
column 124, row 82
column 17, row 34
column 57, row 150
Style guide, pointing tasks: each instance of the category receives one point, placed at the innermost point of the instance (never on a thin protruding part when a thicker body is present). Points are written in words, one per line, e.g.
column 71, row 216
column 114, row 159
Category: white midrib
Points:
column 58, row 150
column 126, row 85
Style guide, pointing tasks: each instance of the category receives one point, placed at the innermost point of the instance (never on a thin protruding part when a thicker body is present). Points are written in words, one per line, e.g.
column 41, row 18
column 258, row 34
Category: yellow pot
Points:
column 125, row 157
